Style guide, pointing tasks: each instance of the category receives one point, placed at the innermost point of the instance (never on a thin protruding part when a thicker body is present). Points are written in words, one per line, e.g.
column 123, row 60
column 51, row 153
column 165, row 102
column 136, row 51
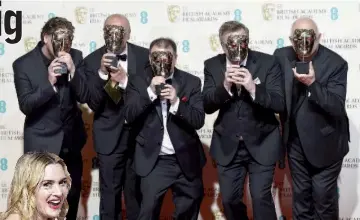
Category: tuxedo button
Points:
column 162, row 128
column 159, row 143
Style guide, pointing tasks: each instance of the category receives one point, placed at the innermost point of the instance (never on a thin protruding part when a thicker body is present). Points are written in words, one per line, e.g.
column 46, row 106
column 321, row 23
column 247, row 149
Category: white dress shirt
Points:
column 243, row 63
column 166, row 146
column 123, row 64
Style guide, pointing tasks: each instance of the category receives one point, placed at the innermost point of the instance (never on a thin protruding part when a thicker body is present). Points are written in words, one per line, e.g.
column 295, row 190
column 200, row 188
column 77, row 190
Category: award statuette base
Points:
column 158, row 88
column 302, row 67
column 113, row 91
column 114, row 61
column 63, row 69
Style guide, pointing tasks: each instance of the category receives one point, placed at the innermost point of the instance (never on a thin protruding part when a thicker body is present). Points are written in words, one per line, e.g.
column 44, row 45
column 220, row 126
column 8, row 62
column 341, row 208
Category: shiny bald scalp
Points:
column 118, row 19
column 304, row 23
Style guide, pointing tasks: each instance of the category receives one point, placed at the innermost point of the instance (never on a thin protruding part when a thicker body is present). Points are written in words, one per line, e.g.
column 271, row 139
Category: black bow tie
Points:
column 168, row 81
column 122, row 57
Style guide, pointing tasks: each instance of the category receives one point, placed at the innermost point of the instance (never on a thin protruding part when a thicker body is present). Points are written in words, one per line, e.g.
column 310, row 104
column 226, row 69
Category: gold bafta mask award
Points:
column 61, row 41
column 113, row 36
column 304, row 41
column 161, row 62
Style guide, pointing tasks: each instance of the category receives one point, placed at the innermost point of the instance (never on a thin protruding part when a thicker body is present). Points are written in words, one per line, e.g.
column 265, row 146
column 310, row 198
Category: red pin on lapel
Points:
column 184, row 99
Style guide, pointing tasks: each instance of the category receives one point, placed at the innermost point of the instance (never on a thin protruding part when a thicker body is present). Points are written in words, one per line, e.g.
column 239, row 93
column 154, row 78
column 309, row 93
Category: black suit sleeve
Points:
column 78, row 82
column 137, row 99
column 192, row 110
column 213, row 96
column 331, row 97
column 97, row 95
column 270, row 94
column 30, row 98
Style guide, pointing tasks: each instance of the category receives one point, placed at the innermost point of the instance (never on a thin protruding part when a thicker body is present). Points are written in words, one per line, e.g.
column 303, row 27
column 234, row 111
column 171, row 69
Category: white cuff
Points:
column 54, row 87
column 102, row 75
column 70, row 77
column 152, row 95
column 174, row 107
column 253, row 96
column 123, row 85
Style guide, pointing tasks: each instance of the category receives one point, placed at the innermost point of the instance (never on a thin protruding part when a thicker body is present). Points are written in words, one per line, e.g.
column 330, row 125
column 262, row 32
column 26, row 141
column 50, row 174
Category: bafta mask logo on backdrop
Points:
column 81, row 15
column 29, row 43
column 268, row 11
column 214, row 42
column 173, row 12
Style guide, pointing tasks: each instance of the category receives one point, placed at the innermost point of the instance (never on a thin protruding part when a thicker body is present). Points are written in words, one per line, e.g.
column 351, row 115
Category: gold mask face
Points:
column 114, row 36
column 237, row 47
column 161, row 62
column 304, row 41
column 61, row 41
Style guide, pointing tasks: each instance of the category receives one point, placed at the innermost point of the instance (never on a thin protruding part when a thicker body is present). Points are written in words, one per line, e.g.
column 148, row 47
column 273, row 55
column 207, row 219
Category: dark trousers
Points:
column 74, row 163
column 231, row 180
column 187, row 194
column 314, row 190
column 116, row 174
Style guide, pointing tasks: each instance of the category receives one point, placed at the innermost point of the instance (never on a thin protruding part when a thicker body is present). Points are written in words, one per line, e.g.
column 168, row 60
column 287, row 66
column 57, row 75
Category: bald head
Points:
column 304, row 23
column 118, row 20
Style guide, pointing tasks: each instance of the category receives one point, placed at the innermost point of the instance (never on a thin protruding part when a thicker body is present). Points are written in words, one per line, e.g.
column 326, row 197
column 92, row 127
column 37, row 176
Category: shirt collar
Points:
column 126, row 50
column 46, row 60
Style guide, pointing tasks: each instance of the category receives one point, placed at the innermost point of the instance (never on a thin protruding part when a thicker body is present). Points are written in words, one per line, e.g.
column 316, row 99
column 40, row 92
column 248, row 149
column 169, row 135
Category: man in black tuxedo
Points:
column 166, row 105
column 246, row 87
column 315, row 125
column 49, row 99
column 111, row 133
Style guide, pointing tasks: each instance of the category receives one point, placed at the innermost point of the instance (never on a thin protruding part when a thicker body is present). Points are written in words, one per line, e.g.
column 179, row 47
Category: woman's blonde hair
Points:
column 29, row 172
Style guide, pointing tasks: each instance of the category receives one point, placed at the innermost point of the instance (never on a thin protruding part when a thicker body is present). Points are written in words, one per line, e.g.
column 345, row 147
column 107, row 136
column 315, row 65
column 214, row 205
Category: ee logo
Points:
column 334, row 13
column 185, row 46
column 92, row 46
column 51, row 15
column 3, row 164
column 280, row 43
column 2, row 106
column 144, row 17
column 237, row 15
column 2, row 49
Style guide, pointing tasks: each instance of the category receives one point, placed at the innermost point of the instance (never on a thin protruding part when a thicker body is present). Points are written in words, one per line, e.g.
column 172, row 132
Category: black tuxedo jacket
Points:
column 49, row 114
column 181, row 127
column 108, row 116
column 241, row 116
column 320, row 118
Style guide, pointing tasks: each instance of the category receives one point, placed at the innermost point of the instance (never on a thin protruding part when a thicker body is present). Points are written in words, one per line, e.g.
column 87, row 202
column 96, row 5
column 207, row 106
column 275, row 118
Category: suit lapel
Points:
column 131, row 60
column 319, row 60
column 42, row 71
column 177, row 83
column 251, row 63
column 157, row 102
column 39, row 65
column 289, row 78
